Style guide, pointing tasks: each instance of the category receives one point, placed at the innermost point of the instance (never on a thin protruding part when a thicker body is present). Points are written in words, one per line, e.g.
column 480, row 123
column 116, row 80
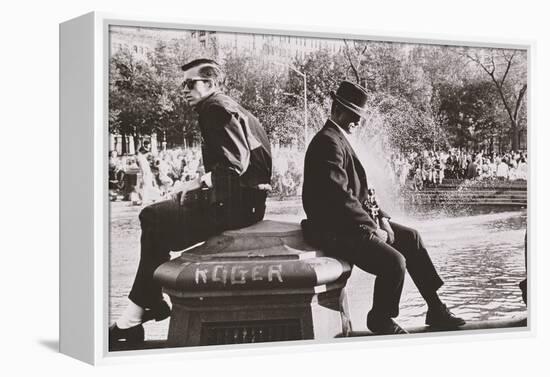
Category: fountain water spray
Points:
column 372, row 146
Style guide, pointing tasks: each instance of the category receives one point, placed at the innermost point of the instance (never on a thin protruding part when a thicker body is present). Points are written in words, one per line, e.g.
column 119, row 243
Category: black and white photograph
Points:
column 279, row 187
column 275, row 188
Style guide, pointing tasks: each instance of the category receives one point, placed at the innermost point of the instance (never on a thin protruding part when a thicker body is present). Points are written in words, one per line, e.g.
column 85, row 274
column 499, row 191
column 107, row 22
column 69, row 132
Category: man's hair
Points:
column 209, row 69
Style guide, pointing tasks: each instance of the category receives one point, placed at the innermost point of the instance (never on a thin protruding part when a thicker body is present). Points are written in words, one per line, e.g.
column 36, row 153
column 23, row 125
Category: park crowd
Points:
column 428, row 168
column 149, row 177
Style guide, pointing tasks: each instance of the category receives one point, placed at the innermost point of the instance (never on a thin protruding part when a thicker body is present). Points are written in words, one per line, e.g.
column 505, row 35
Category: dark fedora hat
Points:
column 352, row 96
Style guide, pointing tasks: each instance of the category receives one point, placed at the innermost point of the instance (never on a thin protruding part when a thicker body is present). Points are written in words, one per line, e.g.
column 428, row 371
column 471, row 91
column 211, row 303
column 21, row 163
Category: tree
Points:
column 145, row 95
column 324, row 72
column 470, row 113
column 175, row 118
column 355, row 53
column 399, row 94
column 507, row 70
column 132, row 94
column 258, row 87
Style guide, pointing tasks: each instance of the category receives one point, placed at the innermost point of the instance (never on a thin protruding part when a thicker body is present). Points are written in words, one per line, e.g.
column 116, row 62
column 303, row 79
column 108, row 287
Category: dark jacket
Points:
column 335, row 185
column 471, row 172
column 235, row 149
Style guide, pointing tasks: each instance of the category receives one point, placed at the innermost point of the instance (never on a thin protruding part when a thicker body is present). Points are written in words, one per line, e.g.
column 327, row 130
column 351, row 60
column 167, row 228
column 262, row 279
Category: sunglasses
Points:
column 190, row 83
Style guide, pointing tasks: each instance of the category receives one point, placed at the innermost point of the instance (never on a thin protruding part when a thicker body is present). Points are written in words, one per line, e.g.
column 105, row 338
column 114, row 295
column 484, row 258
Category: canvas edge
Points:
column 76, row 193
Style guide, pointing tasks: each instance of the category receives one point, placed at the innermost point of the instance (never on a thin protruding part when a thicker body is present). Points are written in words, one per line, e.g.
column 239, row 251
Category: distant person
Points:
column 503, row 171
column 404, row 171
column 523, row 283
column 145, row 148
column 418, row 182
column 115, row 169
column 428, row 168
column 148, row 188
column 522, row 171
column 471, row 171
column 438, row 171
column 163, row 179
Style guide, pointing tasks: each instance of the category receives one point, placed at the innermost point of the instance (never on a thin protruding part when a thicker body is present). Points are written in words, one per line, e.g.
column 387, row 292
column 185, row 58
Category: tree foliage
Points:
column 507, row 70
column 420, row 96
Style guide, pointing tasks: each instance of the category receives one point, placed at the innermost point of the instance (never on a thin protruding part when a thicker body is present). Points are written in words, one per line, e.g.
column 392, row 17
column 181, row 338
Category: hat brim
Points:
column 354, row 109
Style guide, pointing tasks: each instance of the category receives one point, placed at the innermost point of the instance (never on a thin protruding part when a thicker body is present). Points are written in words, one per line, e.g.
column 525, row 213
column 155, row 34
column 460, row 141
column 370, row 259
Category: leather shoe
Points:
column 158, row 312
column 443, row 318
column 383, row 326
column 134, row 334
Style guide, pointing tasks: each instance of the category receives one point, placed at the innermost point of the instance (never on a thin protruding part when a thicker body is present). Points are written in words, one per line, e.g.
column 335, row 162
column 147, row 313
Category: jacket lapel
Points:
column 358, row 166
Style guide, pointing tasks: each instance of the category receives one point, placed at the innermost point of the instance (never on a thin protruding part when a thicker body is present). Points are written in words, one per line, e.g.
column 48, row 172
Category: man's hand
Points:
column 382, row 234
column 264, row 187
column 178, row 192
column 181, row 188
column 385, row 226
column 206, row 180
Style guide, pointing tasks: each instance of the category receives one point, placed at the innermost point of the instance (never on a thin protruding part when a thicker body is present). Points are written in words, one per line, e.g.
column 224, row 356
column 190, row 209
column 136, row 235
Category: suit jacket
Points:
column 335, row 185
column 235, row 149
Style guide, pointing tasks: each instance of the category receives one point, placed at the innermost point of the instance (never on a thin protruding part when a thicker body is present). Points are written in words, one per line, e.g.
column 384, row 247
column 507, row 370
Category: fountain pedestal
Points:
column 256, row 284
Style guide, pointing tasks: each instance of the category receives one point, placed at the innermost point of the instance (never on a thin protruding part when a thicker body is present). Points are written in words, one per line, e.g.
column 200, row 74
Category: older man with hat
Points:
column 342, row 221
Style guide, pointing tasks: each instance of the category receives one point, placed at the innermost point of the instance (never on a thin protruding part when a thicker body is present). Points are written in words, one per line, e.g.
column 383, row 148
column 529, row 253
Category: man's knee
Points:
column 410, row 236
column 399, row 265
column 160, row 214
column 394, row 267
column 415, row 236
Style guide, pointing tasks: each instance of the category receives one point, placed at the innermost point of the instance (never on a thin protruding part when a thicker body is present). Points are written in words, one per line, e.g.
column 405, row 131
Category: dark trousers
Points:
column 169, row 226
column 389, row 263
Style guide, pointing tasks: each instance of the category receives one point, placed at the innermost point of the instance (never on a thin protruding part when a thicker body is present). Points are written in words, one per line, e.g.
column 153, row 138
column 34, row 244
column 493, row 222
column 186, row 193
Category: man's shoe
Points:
column 443, row 318
column 134, row 334
column 158, row 313
column 385, row 326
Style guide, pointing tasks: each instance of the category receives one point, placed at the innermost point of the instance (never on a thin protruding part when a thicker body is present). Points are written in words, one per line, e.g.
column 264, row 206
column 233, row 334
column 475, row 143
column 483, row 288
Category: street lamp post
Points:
column 305, row 102
column 305, row 111
column 305, row 99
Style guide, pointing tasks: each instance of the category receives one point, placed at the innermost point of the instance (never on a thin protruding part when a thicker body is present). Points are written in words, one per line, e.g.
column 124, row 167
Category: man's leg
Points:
column 388, row 265
column 165, row 226
column 424, row 275
column 419, row 264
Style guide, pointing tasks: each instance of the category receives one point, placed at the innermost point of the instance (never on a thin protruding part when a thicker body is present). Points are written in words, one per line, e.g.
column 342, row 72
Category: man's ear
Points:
column 211, row 84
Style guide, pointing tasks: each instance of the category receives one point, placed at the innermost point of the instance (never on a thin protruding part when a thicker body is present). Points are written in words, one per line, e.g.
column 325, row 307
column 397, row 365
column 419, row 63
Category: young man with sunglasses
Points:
column 337, row 202
column 237, row 160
